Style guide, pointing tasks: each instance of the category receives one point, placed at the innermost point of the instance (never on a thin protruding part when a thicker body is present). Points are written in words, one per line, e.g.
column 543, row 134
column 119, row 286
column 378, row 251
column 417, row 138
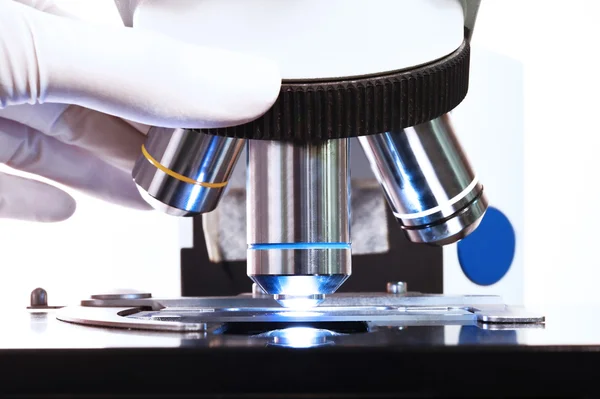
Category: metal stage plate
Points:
column 372, row 309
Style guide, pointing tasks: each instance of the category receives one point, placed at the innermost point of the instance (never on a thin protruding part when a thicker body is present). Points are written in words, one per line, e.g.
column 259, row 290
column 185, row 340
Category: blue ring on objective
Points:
column 301, row 245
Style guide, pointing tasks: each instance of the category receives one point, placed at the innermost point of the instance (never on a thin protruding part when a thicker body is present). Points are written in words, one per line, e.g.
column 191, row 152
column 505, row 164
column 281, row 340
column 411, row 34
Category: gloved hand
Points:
column 65, row 85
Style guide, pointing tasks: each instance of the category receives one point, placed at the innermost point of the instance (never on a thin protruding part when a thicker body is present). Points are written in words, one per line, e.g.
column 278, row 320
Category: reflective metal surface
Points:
column 184, row 173
column 123, row 295
column 298, row 193
column 225, row 228
column 299, row 302
column 427, row 179
column 397, row 287
column 376, row 309
column 257, row 291
column 300, row 290
column 338, row 299
column 299, row 261
column 298, row 216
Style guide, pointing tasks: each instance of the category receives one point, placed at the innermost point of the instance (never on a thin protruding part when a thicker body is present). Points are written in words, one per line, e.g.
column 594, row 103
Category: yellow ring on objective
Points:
column 176, row 175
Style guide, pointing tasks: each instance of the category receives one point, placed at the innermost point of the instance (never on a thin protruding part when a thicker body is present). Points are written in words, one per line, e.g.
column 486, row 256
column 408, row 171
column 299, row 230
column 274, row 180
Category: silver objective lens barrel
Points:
column 428, row 182
column 298, row 218
column 184, row 173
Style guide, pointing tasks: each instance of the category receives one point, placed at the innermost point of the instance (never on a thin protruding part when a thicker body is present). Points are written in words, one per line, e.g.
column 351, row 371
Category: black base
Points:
column 418, row 370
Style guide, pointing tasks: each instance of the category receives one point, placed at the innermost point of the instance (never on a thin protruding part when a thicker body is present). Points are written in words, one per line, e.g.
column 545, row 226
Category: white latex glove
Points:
column 65, row 85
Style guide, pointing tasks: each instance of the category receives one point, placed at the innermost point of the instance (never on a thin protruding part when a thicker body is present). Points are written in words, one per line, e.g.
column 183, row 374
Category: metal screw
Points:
column 397, row 287
column 257, row 291
column 39, row 298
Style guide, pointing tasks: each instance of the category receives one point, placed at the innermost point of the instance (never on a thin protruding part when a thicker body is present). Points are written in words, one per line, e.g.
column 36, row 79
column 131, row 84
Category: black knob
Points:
column 39, row 298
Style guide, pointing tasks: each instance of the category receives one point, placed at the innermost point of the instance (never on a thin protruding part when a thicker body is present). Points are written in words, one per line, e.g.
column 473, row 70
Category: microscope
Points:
column 350, row 72
column 370, row 92
column 298, row 163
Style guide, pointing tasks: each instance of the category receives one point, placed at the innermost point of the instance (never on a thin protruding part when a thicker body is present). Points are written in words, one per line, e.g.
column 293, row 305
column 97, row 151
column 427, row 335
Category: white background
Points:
column 558, row 43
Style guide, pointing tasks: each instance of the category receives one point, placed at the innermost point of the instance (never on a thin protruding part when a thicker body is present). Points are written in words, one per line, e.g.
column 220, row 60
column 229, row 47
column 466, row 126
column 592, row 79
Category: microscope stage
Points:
column 212, row 314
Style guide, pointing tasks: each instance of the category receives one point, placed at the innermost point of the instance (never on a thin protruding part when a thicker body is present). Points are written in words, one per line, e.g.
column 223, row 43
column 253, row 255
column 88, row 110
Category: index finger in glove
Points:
column 26, row 149
column 136, row 74
column 34, row 201
column 109, row 138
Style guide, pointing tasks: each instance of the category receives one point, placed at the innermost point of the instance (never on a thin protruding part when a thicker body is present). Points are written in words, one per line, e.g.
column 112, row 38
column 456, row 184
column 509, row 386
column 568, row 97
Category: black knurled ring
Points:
column 325, row 110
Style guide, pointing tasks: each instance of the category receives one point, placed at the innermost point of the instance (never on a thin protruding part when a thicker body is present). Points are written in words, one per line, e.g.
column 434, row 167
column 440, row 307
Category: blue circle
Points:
column 473, row 335
column 487, row 253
